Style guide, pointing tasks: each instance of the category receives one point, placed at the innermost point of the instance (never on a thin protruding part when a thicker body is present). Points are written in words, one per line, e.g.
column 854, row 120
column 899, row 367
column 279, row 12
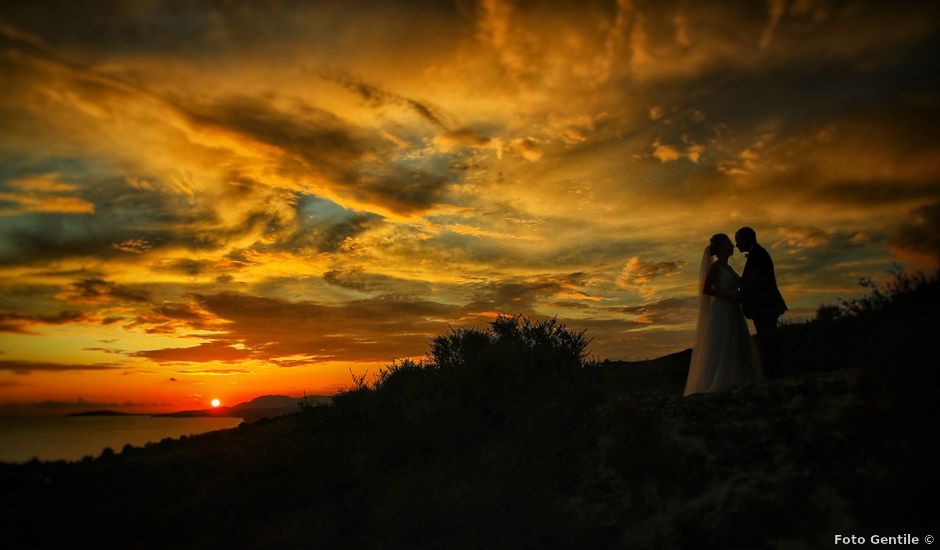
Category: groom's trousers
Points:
column 769, row 345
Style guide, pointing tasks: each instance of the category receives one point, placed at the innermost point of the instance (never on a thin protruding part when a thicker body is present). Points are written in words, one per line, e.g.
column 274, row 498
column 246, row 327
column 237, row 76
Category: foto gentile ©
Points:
column 905, row 539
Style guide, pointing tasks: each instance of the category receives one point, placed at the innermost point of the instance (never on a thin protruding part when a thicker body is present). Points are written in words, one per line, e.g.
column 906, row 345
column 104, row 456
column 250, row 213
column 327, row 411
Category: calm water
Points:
column 71, row 438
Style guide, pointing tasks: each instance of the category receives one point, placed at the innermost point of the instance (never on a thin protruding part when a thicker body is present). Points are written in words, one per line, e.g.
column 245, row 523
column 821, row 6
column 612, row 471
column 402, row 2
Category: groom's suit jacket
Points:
column 760, row 296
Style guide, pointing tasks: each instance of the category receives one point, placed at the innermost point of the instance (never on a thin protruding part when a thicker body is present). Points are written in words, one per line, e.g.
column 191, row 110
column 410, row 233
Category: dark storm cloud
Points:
column 321, row 225
column 605, row 328
column 877, row 193
column 919, row 236
column 214, row 371
column 35, row 238
column 126, row 220
column 570, row 304
column 794, row 95
column 378, row 97
column 316, row 141
column 171, row 318
column 669, row 311
column 115, row 25
column 210, row 351
column 26, row 367
column 320, row 138
column 401, row 189
column 363, row 281
column 366, row 330
column 639, row 271
column 599, row 250
column 524, row 294
column 316, row 225
column 13, row 322
column 330, row 237
column 185, row 266
column 216, row 27
column 184, row 312
column 102, row 291
column 194, row 268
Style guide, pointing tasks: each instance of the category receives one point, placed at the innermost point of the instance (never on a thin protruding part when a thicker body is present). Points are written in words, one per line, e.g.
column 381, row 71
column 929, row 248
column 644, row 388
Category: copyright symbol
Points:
column 928, row 539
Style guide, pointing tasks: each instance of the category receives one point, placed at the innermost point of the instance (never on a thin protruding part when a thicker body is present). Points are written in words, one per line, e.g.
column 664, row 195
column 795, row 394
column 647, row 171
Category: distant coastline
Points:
column 105, row 413
column 266, row 406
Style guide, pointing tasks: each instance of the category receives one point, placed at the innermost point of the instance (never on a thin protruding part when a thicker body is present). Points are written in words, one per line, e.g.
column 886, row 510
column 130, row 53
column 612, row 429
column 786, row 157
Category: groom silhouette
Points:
column 760, row 298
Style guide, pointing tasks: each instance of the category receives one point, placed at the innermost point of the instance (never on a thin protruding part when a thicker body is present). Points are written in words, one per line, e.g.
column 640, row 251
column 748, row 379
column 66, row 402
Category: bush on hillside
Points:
column 510, row 344
column 509, row 362
column 888, row 327
column 905, row 292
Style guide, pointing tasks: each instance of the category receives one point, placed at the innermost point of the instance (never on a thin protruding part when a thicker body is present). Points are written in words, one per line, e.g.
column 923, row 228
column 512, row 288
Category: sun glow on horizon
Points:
column 215, row 402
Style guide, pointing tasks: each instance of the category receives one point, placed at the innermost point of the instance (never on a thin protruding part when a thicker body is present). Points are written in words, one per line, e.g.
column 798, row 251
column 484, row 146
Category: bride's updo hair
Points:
column 716, row 240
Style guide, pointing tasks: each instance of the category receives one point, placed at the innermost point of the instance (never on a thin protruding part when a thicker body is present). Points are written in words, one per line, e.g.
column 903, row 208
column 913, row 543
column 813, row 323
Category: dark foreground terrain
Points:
column 507, row 438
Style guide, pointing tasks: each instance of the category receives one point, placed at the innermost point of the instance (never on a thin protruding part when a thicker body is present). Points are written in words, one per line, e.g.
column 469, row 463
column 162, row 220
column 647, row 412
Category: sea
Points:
column 74, row 437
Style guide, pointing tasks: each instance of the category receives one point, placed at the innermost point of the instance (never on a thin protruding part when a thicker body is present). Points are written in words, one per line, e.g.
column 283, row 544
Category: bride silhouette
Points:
column 724, row 353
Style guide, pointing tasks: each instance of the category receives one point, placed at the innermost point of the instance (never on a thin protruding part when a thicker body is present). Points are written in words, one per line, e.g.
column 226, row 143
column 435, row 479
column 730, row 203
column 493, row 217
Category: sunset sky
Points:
column 231, row 198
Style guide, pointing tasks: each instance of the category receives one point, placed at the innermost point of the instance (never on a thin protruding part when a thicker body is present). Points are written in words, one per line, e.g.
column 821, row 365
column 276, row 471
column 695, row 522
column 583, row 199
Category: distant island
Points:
column 103, row 413
column 266, row 406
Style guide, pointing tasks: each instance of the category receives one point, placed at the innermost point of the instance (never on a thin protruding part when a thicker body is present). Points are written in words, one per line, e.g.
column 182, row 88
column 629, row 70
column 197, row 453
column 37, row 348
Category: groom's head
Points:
column 745, row 238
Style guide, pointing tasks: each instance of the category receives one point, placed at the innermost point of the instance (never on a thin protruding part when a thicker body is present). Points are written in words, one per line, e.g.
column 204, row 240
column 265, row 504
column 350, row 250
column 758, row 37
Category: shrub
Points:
column 511, row 342
column 510, row 362
column 890, row 327
column 905, row 289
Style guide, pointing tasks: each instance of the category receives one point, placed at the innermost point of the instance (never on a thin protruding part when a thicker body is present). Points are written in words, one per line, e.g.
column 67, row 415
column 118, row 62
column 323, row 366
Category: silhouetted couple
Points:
column 724, row 353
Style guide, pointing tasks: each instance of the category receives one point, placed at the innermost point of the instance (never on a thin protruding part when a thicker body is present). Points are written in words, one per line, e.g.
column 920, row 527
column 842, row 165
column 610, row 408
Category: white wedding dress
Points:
column 724, row 354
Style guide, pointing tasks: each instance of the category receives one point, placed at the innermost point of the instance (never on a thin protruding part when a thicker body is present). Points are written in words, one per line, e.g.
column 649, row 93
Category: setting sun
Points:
column 215, row 402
